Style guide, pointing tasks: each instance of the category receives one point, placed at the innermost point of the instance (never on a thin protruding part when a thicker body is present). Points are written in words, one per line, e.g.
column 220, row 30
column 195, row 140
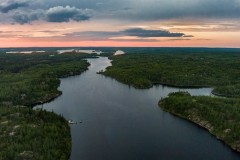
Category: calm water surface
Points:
column 123, row 123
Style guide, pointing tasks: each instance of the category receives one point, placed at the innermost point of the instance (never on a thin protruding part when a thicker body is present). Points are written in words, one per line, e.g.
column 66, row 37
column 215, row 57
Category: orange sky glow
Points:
column 35, row 36
column 50, row 24
column 30, row 36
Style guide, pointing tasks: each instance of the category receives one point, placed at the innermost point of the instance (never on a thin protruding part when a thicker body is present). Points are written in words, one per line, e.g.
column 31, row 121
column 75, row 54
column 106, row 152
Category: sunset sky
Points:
column 153, row 23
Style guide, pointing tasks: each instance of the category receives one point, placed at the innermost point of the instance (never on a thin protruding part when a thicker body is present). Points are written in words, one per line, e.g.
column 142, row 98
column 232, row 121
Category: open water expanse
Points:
column 124, row 123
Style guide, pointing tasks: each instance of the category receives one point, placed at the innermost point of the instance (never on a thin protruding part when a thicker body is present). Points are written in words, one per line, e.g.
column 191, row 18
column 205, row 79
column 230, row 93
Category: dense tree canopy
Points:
column 31, row 79
column 33, row 134
column 27, row 80
column 218, row 69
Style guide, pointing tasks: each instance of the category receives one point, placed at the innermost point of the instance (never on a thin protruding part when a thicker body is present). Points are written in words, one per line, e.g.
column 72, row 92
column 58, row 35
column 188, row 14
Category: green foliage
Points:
column 221, row 116
column 33, row 134
column 31, row 79
column 27, row 80
column 219, row 69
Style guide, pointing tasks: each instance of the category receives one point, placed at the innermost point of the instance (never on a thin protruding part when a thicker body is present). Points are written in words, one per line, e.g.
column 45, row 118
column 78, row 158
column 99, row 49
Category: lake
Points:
column 124, row 123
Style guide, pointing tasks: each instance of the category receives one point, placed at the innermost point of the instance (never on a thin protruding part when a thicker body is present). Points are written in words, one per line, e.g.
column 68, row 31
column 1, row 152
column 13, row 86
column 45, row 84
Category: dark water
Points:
column 123, row 123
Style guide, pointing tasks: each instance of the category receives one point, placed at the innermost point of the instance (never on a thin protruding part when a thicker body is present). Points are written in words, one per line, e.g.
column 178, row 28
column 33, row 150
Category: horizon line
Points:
column 120, row 47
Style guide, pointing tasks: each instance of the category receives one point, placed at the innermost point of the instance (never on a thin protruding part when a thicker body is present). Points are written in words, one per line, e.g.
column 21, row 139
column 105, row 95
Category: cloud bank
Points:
column 27, row 11
column 27, row 17
column 139, row 32
column 5, row 7
column 56, row 14
column 65, row 14
column 173, row 9
column 128, row 10
column 133, row 34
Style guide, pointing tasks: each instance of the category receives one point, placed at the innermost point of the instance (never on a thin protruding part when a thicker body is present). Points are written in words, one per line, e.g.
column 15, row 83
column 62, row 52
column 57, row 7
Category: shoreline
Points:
column 173, row 85
column 55, row 96
column 205, row 128
column 200, row 123
column 50, row 96
column 182, row 86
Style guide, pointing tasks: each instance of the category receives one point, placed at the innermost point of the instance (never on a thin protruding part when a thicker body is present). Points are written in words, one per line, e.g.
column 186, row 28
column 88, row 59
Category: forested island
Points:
column 27, row 80
column 187, row 68
column 218, row 68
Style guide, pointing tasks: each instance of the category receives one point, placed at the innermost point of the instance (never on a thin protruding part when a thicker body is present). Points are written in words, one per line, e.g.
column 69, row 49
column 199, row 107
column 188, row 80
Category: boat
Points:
column 73, row 122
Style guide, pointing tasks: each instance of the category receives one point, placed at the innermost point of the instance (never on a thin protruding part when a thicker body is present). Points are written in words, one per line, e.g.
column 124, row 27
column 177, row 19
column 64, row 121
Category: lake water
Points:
column 124, row 123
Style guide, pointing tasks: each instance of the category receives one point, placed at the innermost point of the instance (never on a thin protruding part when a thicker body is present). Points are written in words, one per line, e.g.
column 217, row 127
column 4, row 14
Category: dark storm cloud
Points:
column 27, row 17
column 127, row 10
column 133, row 32
column 65, row 14
column 26, row 11
column 12, row 5
column 139, row 32
column 56, row 14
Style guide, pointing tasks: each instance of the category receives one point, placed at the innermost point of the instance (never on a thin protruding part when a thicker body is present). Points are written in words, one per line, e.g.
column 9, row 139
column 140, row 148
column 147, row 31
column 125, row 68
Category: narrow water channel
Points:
column 124, row 123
